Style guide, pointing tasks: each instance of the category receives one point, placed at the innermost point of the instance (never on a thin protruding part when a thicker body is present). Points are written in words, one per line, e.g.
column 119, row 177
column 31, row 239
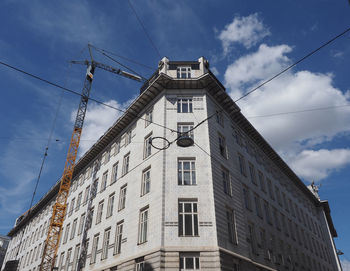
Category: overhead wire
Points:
column 144, row 29
column 122, row 57
column 121, row 64
column 77, row 93
column 294, row 64
column 299, row 111
column 46, row 149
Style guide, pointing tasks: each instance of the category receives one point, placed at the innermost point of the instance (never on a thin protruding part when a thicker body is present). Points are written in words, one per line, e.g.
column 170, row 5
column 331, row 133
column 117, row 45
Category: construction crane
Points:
column 60, row 206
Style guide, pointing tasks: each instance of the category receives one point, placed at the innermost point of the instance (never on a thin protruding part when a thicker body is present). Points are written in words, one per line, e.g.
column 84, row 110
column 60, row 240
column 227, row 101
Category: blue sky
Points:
column 245, row 43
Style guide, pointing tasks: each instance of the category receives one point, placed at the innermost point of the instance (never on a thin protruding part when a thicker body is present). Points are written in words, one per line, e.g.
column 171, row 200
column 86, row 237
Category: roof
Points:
column 327, row 212
column 151, row 88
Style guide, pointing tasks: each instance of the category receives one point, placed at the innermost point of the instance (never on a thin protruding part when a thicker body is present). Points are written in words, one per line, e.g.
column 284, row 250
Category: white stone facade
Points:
column 194, row 208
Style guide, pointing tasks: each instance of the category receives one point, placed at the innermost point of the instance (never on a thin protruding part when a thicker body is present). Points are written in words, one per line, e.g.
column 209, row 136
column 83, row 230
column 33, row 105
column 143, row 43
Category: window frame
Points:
column 191, row 171
column 126, row 163
column 222, row 146
column 183, row 72
column 147, row 146
column 146, row 181
column 143, row 225
column 184, row 102
column 149, row 117
column 110, row 205
column 118, row 238
column 193, row 213
column 105, row 243
column 122, row 197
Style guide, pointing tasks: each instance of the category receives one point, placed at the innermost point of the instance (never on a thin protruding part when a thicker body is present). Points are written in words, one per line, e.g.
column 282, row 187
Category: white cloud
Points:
column 345, row 265
column 317, row 165
column 256, row 66
column 215, row 71
column 97, row 120
column 247, row 30
column 296, row 137
column 291, row 92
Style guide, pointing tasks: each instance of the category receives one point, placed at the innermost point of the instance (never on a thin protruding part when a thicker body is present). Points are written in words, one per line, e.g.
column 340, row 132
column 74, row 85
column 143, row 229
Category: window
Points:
column 74, row 226
column 251, row 237
column 60, row 262
column 66, row 234
column 149, row 117
column 114, row 173
column 246, row 198
column 69, row 253
column 86, row 195
column 183, row 128
column 277, row 221
column 262, row 181
column 285, row 203
column 110, row 205
column 231, row 226
column 126, row 162
column 76, row 257
column 117, row 147
column 267, row 212
column 79, row 201
column 252, row 173
column 122, row 198
column 146, row 181
column 188, row 218
column 284, row 226
column 94, row 248
column 127, row 138
column 262, row 236
column 118, row 238
column 222, row 146
column 104, row 181
column 105, row 246
column 147, row 147
column 81, row 224
column 183, row 72
column 189, row 261
column 99, row 212
column 269, row 186
column 242, row 167
column 184, row 105
column 257, row 205
column 140, row 264
column 143, row 226
column 291, row 207
column 219, row 117
column 226, row 181
column 71, row 207
column 278, row 195
column 186, row 172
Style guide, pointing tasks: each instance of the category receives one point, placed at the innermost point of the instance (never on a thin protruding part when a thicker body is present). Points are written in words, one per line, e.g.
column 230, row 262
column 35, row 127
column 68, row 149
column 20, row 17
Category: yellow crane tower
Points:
column 59, row 208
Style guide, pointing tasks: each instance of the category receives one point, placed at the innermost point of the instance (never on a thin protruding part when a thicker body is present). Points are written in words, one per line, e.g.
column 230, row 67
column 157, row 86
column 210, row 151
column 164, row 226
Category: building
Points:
column 4, row 241
column 228, row 202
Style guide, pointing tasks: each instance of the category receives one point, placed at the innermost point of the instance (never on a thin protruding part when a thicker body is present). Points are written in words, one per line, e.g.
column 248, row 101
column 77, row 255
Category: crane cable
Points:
column 46, row 149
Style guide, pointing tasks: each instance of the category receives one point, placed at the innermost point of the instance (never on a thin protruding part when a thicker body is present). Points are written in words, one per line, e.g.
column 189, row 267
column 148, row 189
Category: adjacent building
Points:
column 138, row 201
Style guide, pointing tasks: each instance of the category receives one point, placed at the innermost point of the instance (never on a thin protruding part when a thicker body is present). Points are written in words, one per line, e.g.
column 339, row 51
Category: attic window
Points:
column 183, row 72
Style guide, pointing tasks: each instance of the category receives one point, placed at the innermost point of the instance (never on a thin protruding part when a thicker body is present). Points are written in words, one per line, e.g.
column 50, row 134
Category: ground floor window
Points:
column 189, row 261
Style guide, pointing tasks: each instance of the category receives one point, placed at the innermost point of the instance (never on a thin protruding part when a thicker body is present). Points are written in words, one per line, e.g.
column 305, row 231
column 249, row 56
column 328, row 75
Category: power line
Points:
column 122, row 57
column 77, row 93
column 121, row 64
column 300, row 111
column 294, row 64
column 144, row 29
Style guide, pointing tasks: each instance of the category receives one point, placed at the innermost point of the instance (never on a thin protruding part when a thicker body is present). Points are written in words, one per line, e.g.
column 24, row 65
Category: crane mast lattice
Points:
column 60, row 206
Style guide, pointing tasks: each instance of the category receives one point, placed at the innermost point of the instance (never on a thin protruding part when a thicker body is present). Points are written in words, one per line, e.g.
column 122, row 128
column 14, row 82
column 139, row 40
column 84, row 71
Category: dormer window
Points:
column 183, row 72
